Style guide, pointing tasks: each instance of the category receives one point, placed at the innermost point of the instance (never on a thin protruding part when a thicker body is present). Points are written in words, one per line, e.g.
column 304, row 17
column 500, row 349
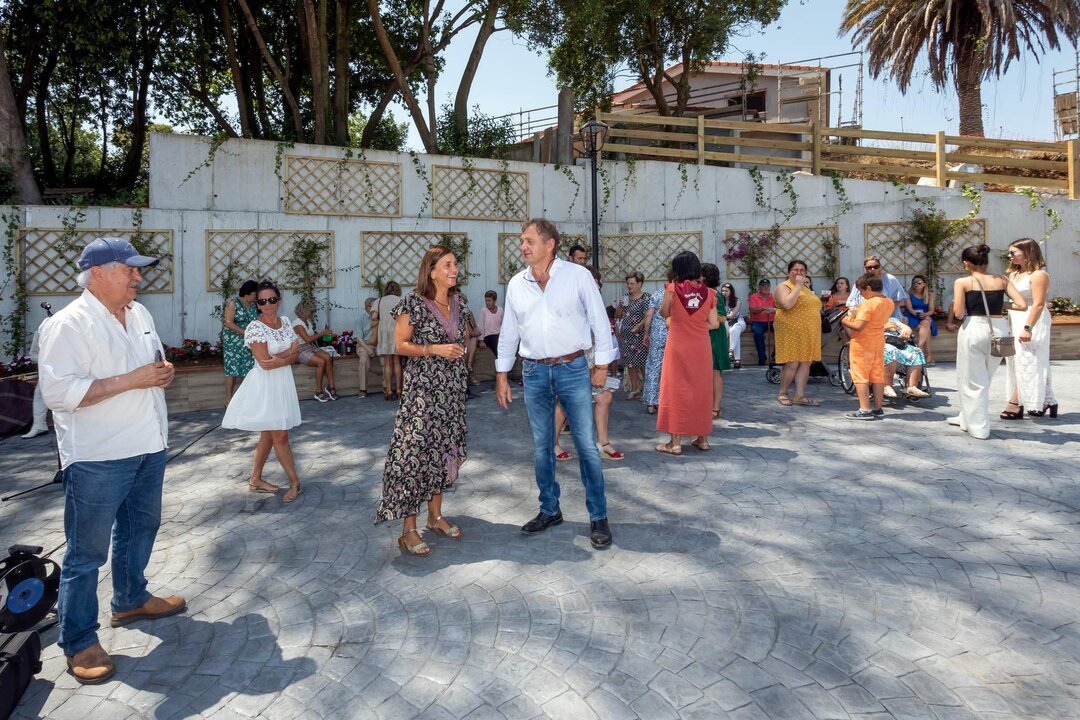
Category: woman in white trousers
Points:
column 978, row 299
column 735, row 321
column 1027, row 383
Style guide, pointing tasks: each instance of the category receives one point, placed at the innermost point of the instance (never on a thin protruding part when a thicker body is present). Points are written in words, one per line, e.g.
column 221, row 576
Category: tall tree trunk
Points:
column 342, row 73
column 461, row 100
column 12, row 139
column 395, row 66
column 243, row 107
column 129, row 175
column 377, row 112
column 275, row 69
column 41, row 118
column 969, row 92
column 315, row 54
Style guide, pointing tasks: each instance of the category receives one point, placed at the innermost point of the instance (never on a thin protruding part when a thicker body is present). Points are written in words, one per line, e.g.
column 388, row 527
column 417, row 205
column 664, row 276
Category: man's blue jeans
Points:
column 569, row 384
column 117, row 497
column 759, row 329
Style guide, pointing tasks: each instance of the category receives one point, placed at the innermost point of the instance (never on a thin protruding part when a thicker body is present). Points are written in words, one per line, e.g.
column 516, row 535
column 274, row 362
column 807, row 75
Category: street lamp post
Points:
column 593, row 135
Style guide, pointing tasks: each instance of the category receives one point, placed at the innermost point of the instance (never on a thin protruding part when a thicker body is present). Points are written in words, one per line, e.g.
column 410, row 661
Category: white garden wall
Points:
column 240, row 188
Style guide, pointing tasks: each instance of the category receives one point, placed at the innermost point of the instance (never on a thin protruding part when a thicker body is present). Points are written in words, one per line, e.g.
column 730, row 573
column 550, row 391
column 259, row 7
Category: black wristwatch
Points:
column 1027, row 328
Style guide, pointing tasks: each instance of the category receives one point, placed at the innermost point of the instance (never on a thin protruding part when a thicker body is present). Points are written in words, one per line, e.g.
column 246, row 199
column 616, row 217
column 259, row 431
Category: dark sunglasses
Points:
column 871, row 267
column 1013, row 252
column 272, row 301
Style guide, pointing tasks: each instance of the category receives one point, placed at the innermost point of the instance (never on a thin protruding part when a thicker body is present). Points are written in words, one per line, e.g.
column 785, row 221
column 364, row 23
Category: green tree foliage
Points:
column 593, row 41
column 965, row 41
column 484, row 136
column 387, row 135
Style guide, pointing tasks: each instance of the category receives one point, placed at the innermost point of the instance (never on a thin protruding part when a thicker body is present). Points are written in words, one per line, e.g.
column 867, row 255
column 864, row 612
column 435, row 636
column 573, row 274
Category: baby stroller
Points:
column 830, row 322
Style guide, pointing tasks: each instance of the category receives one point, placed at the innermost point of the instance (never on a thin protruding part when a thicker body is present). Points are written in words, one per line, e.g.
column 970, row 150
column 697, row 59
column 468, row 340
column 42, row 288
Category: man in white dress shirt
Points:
column 553, row 312
column 102, row 374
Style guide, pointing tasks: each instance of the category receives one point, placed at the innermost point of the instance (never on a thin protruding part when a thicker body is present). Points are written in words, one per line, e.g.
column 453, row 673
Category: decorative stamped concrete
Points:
column 806, row 566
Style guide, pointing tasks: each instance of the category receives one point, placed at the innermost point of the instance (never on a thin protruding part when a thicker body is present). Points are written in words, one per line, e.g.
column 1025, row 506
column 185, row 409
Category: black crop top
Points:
column 973, row 302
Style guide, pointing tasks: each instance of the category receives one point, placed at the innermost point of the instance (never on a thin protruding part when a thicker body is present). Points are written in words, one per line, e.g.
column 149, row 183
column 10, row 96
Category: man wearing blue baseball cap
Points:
column 102, row 374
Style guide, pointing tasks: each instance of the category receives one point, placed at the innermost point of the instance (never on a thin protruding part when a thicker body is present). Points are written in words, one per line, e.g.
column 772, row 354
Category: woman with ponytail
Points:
column 979, row 300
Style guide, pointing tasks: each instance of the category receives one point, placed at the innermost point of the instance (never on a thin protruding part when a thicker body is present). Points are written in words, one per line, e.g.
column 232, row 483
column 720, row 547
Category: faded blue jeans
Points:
column 569, row 384
column 121, row 498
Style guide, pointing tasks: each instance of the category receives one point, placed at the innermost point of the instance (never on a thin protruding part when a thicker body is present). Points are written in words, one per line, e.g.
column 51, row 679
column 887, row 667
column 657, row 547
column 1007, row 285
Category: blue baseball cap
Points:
column 112, row 249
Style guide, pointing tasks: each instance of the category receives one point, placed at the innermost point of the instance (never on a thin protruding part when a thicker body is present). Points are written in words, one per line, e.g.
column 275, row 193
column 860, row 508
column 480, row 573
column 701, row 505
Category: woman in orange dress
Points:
column 798, row 333
column 686, row 375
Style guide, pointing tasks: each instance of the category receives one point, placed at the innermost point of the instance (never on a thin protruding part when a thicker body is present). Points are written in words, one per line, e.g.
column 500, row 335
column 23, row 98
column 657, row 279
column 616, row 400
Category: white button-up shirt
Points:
column 559, row 320
column 82, row 343
column 890, row 288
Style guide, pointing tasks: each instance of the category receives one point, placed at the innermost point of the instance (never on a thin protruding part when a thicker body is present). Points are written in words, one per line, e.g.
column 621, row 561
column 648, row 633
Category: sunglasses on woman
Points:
column 272, row 301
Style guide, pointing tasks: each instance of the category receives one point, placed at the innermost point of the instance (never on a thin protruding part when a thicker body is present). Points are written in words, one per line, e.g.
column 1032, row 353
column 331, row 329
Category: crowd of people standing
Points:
column 103, row 374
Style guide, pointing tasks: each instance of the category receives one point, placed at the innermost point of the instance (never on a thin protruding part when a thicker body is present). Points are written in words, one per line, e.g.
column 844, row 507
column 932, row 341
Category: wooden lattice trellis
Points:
column 396, row 256
column 323, row 186
column 260, row 253
column 50, row 255
column 647, row 253
column 884, row 240
column 510, row 252
column 475, row 194
column 815, row 245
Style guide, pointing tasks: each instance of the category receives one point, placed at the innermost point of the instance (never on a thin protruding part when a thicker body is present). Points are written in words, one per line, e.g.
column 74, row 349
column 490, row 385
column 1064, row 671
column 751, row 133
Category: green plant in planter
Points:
column 305, row 269
column 929, row 228
column 1063, row 306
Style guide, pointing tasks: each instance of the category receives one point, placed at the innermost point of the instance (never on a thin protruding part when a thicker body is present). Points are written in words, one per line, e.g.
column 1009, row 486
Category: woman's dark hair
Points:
column 248, row 287
column 731, row 297
column 425, row 286
column 834, row 282
column 711, row 274
column 265, row 285
column 392, row 288
column 977, row 255
column 685, row 266
column 926, row 284
column 793, row 263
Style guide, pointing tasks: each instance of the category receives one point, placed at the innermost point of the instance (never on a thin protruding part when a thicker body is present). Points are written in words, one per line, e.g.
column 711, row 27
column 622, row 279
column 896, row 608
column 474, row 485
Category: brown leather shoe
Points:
column 155, row 607
column 91, row 666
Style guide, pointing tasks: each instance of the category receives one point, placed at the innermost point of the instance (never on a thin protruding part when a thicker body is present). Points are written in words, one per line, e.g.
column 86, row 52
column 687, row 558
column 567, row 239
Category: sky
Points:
column 512, row 77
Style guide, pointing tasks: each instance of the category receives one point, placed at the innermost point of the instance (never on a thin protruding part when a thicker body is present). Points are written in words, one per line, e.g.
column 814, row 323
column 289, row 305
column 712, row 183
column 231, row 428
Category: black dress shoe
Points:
column 542, row 522
column 600, row 535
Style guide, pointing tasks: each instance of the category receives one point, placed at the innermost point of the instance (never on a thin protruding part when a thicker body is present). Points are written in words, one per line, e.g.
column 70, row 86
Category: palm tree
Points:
column 964, row 40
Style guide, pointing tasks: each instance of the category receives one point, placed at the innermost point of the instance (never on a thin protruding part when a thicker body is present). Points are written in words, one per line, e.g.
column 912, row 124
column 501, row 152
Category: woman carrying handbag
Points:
column 979, row 300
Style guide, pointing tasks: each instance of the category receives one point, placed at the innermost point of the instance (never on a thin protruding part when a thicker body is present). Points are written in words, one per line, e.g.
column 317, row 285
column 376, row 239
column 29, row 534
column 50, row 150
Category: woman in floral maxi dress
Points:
column 429, row 441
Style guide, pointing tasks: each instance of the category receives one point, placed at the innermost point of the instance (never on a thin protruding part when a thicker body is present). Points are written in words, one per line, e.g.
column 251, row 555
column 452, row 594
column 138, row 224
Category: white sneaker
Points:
column 35, row 431
column 914, row 392
column 889, row 392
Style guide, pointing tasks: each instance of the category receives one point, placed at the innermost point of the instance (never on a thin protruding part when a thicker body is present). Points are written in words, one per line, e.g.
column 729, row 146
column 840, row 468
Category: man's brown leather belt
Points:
column 558, row 360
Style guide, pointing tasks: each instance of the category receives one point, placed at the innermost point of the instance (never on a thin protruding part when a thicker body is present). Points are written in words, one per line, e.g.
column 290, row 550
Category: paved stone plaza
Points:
column 807, row 566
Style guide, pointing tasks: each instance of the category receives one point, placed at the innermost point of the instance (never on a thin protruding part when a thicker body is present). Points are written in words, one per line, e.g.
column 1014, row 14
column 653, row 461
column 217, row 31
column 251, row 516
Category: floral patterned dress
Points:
column 428, row 444
column 238, row 357
column 631, row 342
column 657, row 341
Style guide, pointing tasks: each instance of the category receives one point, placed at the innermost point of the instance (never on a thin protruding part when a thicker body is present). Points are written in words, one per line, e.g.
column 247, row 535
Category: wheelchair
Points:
column 843, row 364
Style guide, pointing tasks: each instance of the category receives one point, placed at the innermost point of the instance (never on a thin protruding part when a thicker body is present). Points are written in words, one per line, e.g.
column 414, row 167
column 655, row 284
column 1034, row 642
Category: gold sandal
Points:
column 262, row 487
column 453, row 533
column 419, row 549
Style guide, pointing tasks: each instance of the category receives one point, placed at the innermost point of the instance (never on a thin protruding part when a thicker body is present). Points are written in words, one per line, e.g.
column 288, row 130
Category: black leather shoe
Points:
column 542, row 522
column 600, row 535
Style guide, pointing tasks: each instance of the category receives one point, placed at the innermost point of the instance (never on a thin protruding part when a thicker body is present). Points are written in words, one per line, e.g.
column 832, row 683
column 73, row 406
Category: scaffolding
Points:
column 1066, row 94
column 814, row 86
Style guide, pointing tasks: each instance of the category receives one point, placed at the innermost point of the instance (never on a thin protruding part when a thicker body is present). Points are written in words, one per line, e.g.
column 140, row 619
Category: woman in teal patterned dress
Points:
column 238, row 357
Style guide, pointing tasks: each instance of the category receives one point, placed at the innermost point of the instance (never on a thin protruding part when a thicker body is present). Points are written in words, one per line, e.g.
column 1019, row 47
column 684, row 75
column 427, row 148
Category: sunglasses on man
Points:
column 871, row 267
column 272, row 301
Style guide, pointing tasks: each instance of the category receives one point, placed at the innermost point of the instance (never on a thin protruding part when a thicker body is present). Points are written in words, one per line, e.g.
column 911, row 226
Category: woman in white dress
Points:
column 979, row 299
column 266, row 401
column 1028, row 381
column 391, row 361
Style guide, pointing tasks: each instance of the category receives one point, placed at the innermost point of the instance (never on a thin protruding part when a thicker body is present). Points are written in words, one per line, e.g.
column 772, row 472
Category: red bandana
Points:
column 692, row 295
